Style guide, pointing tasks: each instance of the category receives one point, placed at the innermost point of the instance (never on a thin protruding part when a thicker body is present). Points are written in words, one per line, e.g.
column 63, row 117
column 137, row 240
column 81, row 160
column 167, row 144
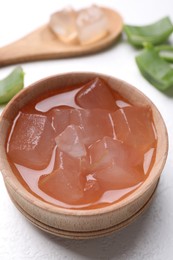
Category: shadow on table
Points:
column 116, row 246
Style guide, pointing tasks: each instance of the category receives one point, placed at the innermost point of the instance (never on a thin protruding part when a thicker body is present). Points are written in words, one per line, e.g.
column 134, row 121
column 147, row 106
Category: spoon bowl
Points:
column 43, row 44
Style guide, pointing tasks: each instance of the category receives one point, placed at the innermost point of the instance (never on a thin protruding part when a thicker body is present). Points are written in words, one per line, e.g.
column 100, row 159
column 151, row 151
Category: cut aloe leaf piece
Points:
column 155, row 33
column 165, row 52
column 11, row 85
column 154, row 69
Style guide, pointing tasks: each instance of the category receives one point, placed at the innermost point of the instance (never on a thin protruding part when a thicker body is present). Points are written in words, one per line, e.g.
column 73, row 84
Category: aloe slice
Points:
column 155, row 33
column 157, row 71
column 165, row 52
column 11, row 85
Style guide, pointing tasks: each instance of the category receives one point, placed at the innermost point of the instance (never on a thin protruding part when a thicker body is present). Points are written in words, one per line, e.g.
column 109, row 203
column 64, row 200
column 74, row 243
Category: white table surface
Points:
column 151, row 236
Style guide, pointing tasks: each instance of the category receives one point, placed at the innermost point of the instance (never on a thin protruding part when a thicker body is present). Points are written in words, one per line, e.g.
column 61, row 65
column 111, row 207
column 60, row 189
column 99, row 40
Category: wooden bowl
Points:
column 80, row 223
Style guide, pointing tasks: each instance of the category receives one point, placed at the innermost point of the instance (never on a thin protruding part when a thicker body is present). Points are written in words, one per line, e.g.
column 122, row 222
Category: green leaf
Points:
column 157, row 71
column 155, row 33
column 11, row 85
column 165, row 52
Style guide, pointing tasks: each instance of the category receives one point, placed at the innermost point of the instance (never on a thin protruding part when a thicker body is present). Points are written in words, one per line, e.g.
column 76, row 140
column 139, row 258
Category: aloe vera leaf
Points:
column 11, row 85
column 165, row 52
column 154, row 69
column 154, row 33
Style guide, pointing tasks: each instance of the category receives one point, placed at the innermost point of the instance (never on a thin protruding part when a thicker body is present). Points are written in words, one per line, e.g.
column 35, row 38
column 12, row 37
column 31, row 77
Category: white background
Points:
column 151, row 236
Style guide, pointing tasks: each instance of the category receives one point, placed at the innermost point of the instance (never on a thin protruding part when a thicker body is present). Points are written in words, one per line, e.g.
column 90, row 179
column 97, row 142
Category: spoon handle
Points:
column 38, row 45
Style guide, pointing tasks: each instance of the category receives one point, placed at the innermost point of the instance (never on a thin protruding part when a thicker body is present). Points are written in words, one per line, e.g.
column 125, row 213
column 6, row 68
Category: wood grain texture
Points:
column 42, row 44
column 81, row 221
column 84, row 235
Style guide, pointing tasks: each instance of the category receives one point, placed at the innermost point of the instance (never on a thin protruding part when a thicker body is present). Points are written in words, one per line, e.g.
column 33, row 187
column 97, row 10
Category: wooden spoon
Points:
column 42, row 44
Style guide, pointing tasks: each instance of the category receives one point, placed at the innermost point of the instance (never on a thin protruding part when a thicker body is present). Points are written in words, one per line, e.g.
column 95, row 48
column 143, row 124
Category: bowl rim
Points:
column 26, row 195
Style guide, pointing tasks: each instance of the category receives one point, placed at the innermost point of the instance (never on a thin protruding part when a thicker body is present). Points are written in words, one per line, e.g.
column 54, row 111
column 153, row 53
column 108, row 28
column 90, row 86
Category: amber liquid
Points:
column 41, row 177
